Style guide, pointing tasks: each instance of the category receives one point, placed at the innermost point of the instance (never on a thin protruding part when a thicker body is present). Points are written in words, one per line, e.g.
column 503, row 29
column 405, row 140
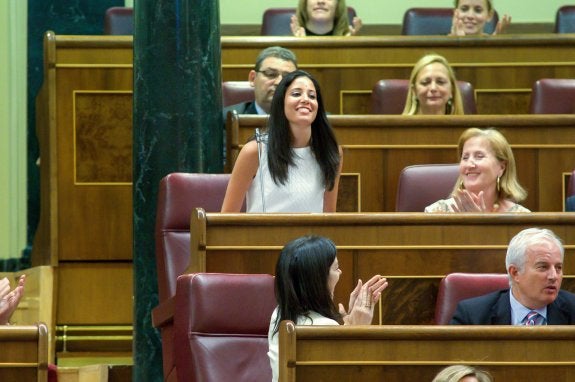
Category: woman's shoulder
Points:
column 515, row 207
column 250, row 150
column 443, row 205
column 314, row 318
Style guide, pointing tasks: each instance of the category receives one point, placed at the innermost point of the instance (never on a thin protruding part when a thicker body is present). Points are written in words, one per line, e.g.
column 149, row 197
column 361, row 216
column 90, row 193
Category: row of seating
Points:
column 200, row 324
column 548, row 95
column 416, row 21
column 209, row 346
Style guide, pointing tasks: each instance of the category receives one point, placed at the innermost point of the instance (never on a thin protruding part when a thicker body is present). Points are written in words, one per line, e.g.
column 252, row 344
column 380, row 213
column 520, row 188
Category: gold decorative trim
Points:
column 92, row 66
column 5, row 365
column 426, row 363
column 360, row 247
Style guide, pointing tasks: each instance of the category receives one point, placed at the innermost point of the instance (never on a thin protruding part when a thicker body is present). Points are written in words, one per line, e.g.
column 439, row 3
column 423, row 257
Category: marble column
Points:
column 177, row 127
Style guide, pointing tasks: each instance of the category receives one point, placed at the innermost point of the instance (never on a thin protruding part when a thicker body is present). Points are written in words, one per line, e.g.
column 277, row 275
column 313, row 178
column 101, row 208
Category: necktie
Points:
column 533, row 318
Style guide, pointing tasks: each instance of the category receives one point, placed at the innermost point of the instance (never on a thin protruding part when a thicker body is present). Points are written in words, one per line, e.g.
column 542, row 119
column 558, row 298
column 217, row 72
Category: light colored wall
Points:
column 13, row 16
column 390, row 12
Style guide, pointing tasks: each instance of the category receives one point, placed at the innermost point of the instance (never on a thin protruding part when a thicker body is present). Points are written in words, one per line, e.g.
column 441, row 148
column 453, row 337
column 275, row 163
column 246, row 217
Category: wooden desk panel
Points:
column 414, row 250
column 379, row 147
column 417, row 353
column 502, row 70
column 24, row 355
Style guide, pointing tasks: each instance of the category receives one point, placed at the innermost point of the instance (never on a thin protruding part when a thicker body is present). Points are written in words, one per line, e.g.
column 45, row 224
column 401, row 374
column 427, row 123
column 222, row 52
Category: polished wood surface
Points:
column 413, row 250
column 502, row 70
column 417, row 353
column 24, row 354
column 38, row 302
column 84, row 128
column 379, row 147
column 84, row 123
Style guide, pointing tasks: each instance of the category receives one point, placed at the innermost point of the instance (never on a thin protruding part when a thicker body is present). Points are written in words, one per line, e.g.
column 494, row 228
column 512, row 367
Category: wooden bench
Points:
column 413, row 250
column 379, row 147
column 24, row 355
column 417, row 353
column 502, row 70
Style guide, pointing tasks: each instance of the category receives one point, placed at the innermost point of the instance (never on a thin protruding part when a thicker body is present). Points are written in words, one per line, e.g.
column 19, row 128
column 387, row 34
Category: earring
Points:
column 449, row 106
column 498, row 186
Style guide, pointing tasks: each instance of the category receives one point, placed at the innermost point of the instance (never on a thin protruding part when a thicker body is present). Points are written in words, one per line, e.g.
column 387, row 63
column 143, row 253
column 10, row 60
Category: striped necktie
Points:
column 533, row 318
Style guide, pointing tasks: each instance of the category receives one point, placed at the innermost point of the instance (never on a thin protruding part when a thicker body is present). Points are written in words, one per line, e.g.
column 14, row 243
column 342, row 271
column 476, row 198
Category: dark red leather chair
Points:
column 179, row 194
column 459, row 286
column 553, row 96
column 234, row 92
column 119, row 21
column 276, row 21
column 221, row 325
column 422, row 185
column 565, row 19
column 434, row 21
column 388, row 96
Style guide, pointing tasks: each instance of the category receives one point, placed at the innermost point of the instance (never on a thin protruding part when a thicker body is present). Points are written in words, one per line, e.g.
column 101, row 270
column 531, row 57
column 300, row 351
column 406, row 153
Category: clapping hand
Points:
column 502, row 24
column 296, row 29
column 9, row 299
column 355, row 27
column 457, row 27
column 466, row 201
column 362, row 301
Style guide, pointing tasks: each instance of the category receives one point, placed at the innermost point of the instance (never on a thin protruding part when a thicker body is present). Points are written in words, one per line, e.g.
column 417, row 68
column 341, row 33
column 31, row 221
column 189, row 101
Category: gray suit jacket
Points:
column 495, row 309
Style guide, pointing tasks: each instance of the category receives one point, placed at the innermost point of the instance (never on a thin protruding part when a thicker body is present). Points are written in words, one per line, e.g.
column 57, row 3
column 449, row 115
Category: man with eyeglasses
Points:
column 272, row 64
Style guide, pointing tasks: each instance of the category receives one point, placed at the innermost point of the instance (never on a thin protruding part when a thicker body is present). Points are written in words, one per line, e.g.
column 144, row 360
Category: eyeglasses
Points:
column 272, row 74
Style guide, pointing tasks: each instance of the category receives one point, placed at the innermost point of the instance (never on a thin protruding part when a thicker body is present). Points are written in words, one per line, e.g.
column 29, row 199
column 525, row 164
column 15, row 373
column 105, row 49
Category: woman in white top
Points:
column 487, row 176
column 307, row 272
column 295, row 165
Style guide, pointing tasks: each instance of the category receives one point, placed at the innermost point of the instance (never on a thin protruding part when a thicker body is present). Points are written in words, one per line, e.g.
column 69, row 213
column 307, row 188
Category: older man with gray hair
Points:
column 534, row 263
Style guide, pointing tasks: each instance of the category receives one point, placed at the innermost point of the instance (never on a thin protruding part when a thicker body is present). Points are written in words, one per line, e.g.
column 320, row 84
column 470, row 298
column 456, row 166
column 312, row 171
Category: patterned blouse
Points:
column 446, row 205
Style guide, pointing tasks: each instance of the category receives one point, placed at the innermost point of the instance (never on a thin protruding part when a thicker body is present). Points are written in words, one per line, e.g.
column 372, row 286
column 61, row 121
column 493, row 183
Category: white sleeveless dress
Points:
column 302, row 192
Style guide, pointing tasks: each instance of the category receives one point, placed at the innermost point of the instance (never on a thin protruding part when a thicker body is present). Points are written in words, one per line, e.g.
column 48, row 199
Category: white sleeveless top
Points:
column 302, row 192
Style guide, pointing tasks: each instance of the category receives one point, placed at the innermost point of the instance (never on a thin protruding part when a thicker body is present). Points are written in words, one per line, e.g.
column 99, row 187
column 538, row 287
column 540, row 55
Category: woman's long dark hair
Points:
column 323, row 142
column 302, row 273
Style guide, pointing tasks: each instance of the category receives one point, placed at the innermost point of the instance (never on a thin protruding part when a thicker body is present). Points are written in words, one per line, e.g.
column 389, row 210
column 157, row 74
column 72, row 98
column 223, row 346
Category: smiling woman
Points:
column 487, row 176
column 295, row 165
column 323, row 18
column 470, row 17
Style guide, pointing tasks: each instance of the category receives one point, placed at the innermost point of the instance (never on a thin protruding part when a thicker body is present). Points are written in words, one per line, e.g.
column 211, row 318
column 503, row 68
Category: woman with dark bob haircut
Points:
column 307, row 272
column 294, row 166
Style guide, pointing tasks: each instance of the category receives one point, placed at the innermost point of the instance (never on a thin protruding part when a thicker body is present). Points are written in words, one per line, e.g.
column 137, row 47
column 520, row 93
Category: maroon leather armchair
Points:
column 388, row 96
column 422, row 185
column 565, row 19
column 179, row 194
column 221, row 325
column 119, row 21
column 234, row 92
column 276, row 21
column 553, row 96
column 459, row 286
column 435, row 21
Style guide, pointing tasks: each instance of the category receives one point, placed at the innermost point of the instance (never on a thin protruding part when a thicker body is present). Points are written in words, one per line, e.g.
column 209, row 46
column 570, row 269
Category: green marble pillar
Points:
column 177, row 127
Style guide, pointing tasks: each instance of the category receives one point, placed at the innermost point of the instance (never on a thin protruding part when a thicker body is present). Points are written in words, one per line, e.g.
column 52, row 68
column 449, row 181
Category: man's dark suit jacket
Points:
column 495, row 309
column 241, row 108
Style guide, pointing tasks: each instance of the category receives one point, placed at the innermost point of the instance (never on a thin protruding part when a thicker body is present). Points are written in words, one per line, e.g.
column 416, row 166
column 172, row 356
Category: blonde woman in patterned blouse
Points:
column 487, row 176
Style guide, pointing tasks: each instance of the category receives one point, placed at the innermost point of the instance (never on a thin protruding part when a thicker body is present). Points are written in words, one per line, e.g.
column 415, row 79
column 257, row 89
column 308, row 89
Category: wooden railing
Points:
column 417, row 353
column 413, row 250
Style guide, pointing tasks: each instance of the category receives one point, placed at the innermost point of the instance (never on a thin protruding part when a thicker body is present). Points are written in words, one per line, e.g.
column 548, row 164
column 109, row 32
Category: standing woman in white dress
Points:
column 293, row 166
